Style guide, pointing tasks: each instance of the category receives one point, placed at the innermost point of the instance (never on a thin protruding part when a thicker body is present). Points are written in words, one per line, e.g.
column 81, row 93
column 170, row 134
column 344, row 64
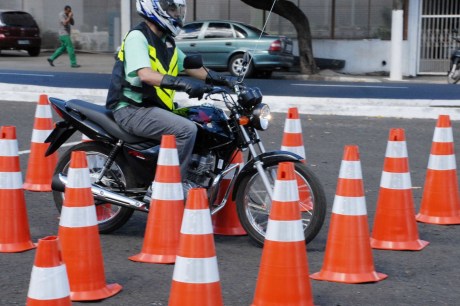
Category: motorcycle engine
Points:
column 200, row 167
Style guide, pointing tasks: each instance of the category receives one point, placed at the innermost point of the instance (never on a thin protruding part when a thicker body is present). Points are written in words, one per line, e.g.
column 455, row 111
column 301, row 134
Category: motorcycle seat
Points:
column 104, row 118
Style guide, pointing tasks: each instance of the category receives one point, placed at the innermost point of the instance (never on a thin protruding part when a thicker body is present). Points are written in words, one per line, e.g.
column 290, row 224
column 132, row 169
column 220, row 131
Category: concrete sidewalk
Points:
column 102, row 63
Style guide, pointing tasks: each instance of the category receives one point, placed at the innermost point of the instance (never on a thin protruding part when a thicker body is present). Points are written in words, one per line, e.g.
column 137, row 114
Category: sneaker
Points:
column 50, row 61
column 75, row 66
column 148, row 195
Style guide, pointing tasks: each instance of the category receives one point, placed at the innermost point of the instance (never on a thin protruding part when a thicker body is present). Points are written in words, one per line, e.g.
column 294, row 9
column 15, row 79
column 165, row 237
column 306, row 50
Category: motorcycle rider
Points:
column 142, row 102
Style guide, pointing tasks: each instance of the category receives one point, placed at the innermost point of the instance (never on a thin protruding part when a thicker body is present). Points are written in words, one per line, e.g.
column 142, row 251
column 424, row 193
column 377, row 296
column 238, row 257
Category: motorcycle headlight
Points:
column 250, row 97
column 261, row 116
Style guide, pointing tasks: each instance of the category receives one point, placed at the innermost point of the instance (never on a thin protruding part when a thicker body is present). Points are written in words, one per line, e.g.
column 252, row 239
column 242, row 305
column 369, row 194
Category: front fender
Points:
column 267, row 157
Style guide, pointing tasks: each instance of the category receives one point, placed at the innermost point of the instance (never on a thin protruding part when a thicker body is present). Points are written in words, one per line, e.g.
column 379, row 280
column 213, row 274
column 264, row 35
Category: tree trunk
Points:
column 294, row 14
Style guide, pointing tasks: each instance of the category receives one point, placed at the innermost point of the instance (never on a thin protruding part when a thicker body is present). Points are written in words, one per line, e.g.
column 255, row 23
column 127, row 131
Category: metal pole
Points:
column 125, row 13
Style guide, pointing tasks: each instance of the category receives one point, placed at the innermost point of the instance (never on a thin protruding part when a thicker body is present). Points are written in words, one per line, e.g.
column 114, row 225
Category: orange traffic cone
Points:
column 283, row 274
column 79, row 235
column 395, row 227
column 40, row 168
column 293, row 142
column 440, row 200
column 14, row 224
column 49, row 284
column 348, row 256
column 196, row 277
column 226, row 221
column 161, row 239
column 292, row 136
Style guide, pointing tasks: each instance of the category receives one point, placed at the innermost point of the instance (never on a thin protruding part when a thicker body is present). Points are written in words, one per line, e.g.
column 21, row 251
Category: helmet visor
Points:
column 176, row 9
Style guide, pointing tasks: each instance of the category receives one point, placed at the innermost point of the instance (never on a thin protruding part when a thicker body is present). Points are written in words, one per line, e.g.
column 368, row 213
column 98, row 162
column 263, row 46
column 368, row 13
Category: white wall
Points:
column 361, row 56
column 10, row 5
column 46, row 13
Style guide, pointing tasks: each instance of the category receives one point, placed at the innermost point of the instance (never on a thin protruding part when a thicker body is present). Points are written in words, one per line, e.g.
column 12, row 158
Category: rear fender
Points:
column 58, row 136
column 267, row 157
column 79, row 121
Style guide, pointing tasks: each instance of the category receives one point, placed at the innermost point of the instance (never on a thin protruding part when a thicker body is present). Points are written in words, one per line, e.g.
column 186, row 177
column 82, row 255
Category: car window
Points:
column 255, row 30
column 190, row 31
column 218, row 30
column 20, row 19
column 240, row 32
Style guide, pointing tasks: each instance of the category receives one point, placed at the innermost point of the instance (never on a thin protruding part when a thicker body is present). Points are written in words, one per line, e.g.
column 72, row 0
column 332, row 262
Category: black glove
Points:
column 215, row 78
column 194, row 88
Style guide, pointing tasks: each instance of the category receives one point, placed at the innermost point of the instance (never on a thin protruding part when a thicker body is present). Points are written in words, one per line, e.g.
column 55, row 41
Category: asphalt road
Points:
column 290, row 87
column 427, row 277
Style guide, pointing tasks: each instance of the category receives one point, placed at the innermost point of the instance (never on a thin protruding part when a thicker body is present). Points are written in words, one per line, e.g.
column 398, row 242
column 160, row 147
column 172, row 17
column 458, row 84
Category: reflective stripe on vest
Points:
column 166, row 95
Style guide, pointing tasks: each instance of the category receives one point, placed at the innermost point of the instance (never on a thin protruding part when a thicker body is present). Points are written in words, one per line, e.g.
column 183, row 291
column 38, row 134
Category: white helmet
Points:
column 169, row 15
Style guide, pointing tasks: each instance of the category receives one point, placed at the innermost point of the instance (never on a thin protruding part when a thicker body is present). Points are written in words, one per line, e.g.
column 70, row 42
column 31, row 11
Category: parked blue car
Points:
column 222, row 44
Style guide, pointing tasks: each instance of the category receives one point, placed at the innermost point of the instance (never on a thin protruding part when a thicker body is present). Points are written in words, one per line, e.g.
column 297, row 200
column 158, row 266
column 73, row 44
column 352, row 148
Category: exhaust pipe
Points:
column 60, row 181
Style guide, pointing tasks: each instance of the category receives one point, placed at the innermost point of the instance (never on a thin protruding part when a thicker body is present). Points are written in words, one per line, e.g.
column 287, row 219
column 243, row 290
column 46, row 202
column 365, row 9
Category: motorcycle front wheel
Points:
column 254, row 203
column 110, row 217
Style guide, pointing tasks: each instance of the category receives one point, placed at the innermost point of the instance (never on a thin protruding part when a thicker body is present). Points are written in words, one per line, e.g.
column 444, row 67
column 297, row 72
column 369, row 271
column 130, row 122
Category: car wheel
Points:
column 236, row 65
column 34, row 52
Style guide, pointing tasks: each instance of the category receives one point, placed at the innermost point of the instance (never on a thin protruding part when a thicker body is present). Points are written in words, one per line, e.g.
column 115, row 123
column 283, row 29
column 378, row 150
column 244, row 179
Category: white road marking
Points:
column 354, row 86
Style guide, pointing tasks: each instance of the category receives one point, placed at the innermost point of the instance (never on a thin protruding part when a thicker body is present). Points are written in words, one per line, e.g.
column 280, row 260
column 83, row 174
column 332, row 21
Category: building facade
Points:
column 357, row 31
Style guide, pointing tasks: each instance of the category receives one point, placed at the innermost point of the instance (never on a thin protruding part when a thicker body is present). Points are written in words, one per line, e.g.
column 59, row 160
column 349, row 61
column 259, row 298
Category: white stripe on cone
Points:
column 443, row 134
column 8, row 148
column 350, row 170
column 292, row 126
column 39, row 136
column 396, row 149
column 196, row 222
column 196, row 270
column 168, row 157
column 349, row 206
column 442, row 162
column 78, row 178
column 285, row 231
column 43, row 111
column 393, row 180
column 78, row 216
column 299, row 150
column 49, row 283
column 11, row 180
column 167, row 191
column 285, row 191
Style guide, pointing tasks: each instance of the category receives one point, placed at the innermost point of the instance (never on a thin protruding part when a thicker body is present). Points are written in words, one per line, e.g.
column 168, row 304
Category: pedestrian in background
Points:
column 65, row 21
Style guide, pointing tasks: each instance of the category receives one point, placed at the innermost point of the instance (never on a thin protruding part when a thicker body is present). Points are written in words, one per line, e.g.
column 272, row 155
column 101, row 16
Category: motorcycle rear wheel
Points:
column 110, row 217
column 253, row 202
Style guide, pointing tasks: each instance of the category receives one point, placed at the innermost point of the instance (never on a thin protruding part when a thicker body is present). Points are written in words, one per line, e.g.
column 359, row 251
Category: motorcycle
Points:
column 453, row 76
column 122, row 166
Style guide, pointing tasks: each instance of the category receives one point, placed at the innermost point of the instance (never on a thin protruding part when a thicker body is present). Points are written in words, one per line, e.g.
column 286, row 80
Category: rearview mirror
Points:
column 193, row 61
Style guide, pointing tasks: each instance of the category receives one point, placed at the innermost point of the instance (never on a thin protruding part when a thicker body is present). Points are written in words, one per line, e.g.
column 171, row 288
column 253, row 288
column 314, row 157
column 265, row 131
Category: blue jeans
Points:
column 153, row 122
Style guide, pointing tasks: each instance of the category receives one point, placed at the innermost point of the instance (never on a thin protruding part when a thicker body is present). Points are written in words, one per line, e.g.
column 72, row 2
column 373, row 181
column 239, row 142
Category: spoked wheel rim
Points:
column 257, row 202
column 105, row 212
